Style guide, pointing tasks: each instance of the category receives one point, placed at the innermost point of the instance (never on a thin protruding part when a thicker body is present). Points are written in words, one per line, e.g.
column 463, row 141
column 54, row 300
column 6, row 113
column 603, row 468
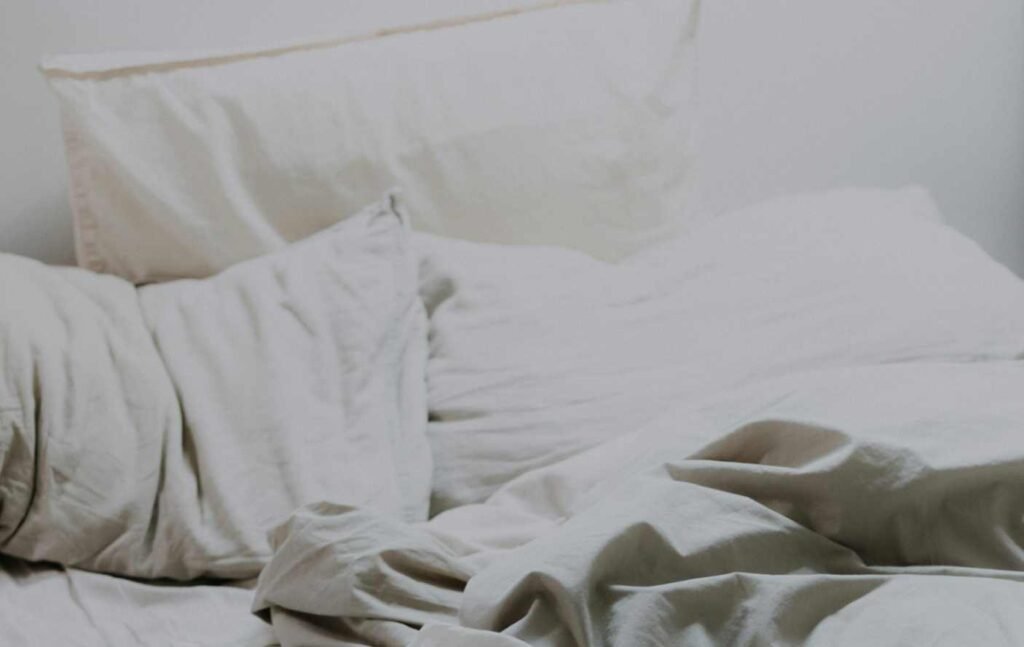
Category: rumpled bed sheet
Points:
column 879, row 505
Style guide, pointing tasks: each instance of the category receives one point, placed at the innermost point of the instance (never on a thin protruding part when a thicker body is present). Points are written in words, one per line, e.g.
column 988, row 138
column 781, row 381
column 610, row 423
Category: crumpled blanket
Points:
column 162, row 432
column 879, row 505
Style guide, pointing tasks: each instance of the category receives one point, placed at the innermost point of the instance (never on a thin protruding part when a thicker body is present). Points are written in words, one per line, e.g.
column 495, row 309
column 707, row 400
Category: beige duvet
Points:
column 864, row 506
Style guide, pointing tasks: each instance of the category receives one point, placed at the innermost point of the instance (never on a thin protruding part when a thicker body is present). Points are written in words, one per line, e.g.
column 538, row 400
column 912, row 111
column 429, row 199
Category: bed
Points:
column 536, row 395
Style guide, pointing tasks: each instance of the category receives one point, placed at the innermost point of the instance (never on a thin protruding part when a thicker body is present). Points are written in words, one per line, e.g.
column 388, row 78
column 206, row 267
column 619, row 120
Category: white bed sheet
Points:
column 876, row 505
column 50, row 605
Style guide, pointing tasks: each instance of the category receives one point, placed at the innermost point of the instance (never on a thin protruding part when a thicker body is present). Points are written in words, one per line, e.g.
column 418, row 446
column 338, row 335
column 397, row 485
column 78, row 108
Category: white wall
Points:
column 798, row 94
column 805, row 94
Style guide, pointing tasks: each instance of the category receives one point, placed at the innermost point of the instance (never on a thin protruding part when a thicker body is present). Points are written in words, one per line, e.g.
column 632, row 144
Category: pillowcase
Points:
column 567, row 124
column 538, row 353
column 163, row 432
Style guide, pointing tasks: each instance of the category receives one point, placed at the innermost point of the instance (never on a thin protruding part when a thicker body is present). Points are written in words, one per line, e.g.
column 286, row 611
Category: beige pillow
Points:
column 569, row 123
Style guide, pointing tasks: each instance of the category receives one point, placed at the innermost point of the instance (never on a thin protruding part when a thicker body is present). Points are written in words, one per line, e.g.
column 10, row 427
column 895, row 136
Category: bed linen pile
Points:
column 800, row 424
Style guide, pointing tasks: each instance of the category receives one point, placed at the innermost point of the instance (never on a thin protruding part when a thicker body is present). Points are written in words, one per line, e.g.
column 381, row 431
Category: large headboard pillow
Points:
column 567, row 123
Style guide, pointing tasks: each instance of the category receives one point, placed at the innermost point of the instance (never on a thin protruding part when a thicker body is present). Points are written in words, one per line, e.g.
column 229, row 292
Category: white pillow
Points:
column 538, row 353
column 566, row 124
column 850, row 202
column 163, row 432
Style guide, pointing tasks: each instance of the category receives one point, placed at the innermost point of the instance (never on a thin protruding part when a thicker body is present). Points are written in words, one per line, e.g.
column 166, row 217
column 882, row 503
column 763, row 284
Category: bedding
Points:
column 546, row 123
column 538, row 353
column 800, row 424
column 162, row 431
column 878, row 504
column 843, row 466
column 50, row 605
